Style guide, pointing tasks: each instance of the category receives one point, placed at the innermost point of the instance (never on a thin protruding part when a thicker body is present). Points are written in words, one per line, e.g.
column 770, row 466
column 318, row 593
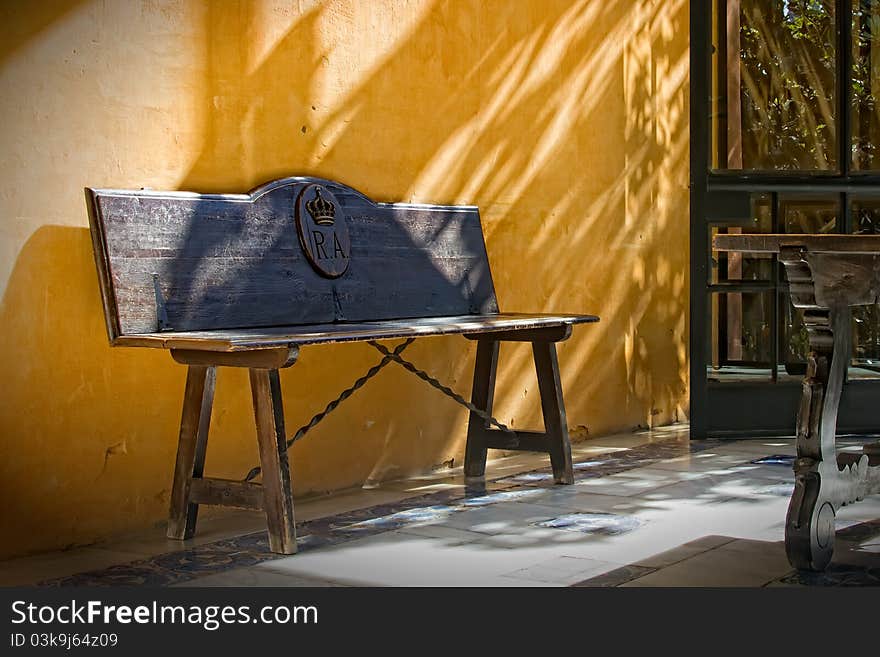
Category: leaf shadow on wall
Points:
column 514, row 130
column 567, row 125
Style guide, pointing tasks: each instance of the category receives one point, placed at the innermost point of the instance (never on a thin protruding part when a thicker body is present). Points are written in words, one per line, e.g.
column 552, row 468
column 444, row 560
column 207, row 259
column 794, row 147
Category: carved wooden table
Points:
column 827, row 274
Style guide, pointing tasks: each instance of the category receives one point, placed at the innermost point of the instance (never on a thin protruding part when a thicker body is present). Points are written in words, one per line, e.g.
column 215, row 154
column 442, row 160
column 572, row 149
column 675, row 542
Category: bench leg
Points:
column 482, row 396
column 553, row 407
column 277, row 498
column 194, row 423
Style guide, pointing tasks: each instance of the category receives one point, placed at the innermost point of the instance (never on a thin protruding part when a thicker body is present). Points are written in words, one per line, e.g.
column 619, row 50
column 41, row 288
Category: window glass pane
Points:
column 795, row 341
column 866, row 343
column 808, row 216
column 773, row 91
column 865, row 85
column 732, row 266
column 866, row 216
column 866, row 319
column 865, row 340
column 740, row 343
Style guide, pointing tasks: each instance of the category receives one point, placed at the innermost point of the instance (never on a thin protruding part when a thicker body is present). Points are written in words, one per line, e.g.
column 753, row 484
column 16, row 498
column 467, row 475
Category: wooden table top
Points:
column 772, row 243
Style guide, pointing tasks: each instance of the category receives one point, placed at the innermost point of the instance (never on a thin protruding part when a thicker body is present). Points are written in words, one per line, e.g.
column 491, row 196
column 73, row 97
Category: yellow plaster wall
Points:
column 564, row 120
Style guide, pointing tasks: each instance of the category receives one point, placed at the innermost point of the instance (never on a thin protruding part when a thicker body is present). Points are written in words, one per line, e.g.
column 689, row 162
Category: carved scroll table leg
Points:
column 809, row 527
column 822, row 485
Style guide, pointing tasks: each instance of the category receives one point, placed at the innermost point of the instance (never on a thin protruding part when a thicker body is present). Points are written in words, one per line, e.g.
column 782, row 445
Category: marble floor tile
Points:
column 563, row 571
column 570, row 498
column 759, row 446
column 709, row 490
column 653, row 474
column 866, row 509
column 754, row 546
column 775, row 532
column 534, row 537
column 709, row 542
column 400, row 559
column 718, row 567
column 772, row 533
column 870, row 546
column 619, row 485
column 500, row 518
column 614, row 577
column 845, row 555
column 750, row 486
column 703, row 461
column 669, row 557
column 451, row 534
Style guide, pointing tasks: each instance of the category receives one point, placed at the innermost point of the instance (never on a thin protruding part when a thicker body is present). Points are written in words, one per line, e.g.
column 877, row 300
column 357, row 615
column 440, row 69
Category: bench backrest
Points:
column 294, row 251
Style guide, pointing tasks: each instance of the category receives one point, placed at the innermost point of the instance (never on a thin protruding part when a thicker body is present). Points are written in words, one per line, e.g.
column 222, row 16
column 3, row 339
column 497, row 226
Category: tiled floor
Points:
column 647, row 509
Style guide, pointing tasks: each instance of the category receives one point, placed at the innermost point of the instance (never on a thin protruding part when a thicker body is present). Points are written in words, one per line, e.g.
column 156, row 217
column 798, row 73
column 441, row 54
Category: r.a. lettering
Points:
column 320, row 246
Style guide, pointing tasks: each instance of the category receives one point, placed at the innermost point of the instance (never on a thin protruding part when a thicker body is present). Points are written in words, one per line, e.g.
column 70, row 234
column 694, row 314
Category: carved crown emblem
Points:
column 321, row 210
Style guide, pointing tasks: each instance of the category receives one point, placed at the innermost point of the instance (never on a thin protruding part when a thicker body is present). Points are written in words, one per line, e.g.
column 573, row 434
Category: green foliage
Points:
column 866, row 33
column 788, row 59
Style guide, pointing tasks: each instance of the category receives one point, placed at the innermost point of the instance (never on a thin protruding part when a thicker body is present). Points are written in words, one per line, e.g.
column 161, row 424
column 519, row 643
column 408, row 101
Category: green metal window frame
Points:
column 740, row 409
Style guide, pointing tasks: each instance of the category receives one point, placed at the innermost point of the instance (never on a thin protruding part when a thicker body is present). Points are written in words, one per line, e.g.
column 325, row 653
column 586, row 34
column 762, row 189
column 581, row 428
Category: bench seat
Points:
column 248, row 339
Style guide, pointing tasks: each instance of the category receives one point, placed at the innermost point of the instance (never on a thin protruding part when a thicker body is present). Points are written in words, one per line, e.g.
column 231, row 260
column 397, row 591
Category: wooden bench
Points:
column 246, row 280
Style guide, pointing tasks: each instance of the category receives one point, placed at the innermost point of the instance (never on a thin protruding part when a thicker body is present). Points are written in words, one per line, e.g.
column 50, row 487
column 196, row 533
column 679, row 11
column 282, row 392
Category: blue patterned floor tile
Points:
column 502, row 496
column 530, row 477
column 606, row 524
column 775, row 459
column 400, row 519
column 590, row 465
